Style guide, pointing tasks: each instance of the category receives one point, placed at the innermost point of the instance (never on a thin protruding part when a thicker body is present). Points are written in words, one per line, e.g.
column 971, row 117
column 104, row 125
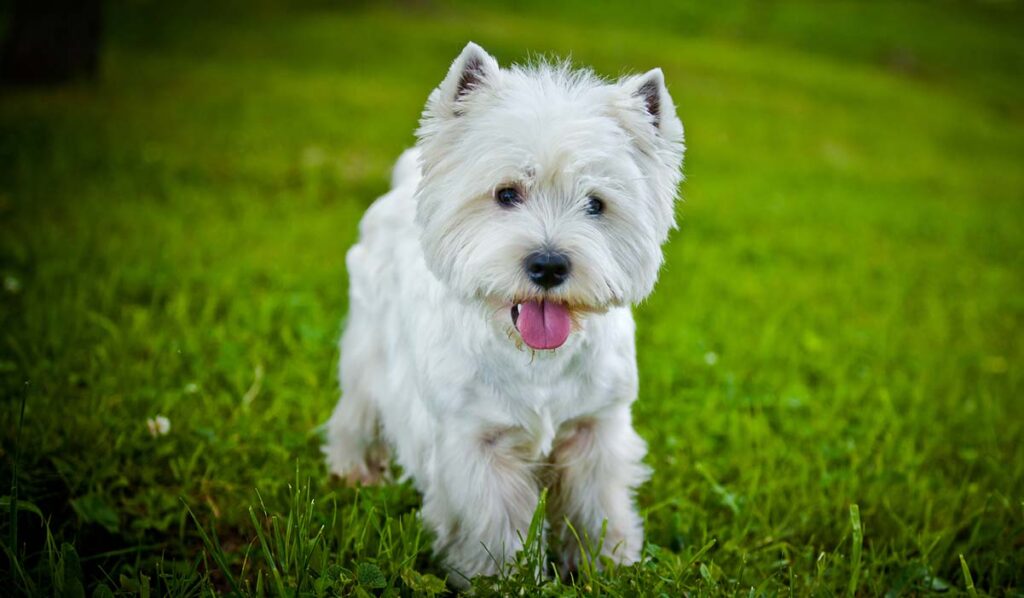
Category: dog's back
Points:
column 407, row 169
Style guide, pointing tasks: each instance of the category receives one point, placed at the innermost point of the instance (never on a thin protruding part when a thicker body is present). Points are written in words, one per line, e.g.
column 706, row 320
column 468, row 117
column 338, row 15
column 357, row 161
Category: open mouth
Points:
column 542, row 324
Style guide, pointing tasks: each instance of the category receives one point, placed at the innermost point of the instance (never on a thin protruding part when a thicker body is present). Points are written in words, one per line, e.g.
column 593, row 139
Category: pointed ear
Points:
column 653, row 98
column 472, row 70
column 646, row 111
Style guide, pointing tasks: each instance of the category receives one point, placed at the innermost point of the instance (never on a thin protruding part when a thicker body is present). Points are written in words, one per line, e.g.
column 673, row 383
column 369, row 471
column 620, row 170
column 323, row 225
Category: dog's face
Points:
column 547, row 193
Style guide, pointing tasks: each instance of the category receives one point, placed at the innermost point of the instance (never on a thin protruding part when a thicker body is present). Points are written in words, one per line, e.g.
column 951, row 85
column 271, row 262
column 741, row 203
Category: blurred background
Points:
column 830, row 366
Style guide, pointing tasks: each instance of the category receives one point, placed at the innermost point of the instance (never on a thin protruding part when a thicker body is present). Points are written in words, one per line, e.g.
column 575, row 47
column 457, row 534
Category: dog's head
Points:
column 547, row 192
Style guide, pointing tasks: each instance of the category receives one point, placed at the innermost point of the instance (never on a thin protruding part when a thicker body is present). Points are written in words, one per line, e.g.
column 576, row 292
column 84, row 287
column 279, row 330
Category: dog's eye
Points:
column 508, row 197
column 594, row 206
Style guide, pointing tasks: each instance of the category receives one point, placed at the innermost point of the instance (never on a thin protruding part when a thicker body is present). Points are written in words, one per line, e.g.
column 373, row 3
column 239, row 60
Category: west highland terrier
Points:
column 490, row 342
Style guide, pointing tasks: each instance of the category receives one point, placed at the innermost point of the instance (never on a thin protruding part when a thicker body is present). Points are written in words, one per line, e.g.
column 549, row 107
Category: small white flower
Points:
column 158, row 426
column 711, row 358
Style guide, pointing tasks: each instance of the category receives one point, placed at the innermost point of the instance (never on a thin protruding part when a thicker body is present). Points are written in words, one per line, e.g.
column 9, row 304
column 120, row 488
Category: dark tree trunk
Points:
column 51, row 41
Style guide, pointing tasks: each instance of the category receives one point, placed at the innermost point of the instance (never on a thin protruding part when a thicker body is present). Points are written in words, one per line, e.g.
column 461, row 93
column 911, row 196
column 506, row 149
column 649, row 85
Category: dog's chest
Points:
column 540, row 430
column 542, row 413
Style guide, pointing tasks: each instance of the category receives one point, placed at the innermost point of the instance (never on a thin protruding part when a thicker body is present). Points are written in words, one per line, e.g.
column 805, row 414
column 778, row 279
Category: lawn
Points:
column 831, row 380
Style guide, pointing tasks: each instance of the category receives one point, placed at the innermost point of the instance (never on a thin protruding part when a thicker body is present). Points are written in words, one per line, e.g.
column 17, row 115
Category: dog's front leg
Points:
column 481, row 498
column 598, row 466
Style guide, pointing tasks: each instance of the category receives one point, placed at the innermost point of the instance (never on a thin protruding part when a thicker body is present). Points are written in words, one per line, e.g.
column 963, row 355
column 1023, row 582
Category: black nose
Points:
column 547, row 268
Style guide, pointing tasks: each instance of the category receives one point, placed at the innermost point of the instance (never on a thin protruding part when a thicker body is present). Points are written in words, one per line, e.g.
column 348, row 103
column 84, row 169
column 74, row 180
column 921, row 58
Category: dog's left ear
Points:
column 646, row 111
column 473, row 70
column 649, row 96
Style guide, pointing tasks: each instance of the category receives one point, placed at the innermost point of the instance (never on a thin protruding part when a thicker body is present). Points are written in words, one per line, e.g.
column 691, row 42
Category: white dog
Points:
column 490, row 342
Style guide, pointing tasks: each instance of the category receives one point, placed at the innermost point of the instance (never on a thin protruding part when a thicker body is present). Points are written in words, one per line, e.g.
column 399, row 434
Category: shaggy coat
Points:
column 439, row 366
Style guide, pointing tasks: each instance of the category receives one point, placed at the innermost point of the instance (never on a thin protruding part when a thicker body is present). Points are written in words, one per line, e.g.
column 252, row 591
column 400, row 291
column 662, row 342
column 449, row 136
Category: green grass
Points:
column 830, row 366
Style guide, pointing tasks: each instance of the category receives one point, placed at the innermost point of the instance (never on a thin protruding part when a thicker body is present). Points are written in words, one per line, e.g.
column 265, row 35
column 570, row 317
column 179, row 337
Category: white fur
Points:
column 431, row 365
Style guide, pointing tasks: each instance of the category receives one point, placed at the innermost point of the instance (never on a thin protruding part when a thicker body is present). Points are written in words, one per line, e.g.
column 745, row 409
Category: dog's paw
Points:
column 373, row 470
column 362, row 474
column 358, row 465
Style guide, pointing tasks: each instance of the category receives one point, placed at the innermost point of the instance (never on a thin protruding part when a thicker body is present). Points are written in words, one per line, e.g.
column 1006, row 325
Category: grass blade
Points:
column 968, row 578
column 14, row 472
column 858, row 543
column 265, row 546
column 215, row 551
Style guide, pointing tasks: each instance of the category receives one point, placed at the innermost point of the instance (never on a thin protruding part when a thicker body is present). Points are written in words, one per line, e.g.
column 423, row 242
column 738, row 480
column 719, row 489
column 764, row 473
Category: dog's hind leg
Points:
column 355, row 449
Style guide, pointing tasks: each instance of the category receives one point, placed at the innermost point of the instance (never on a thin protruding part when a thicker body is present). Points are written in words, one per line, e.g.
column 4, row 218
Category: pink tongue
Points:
column 543, row 324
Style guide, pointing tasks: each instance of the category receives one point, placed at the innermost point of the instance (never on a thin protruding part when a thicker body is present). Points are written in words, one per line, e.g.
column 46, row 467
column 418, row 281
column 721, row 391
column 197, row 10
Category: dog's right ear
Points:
column 471, row 71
